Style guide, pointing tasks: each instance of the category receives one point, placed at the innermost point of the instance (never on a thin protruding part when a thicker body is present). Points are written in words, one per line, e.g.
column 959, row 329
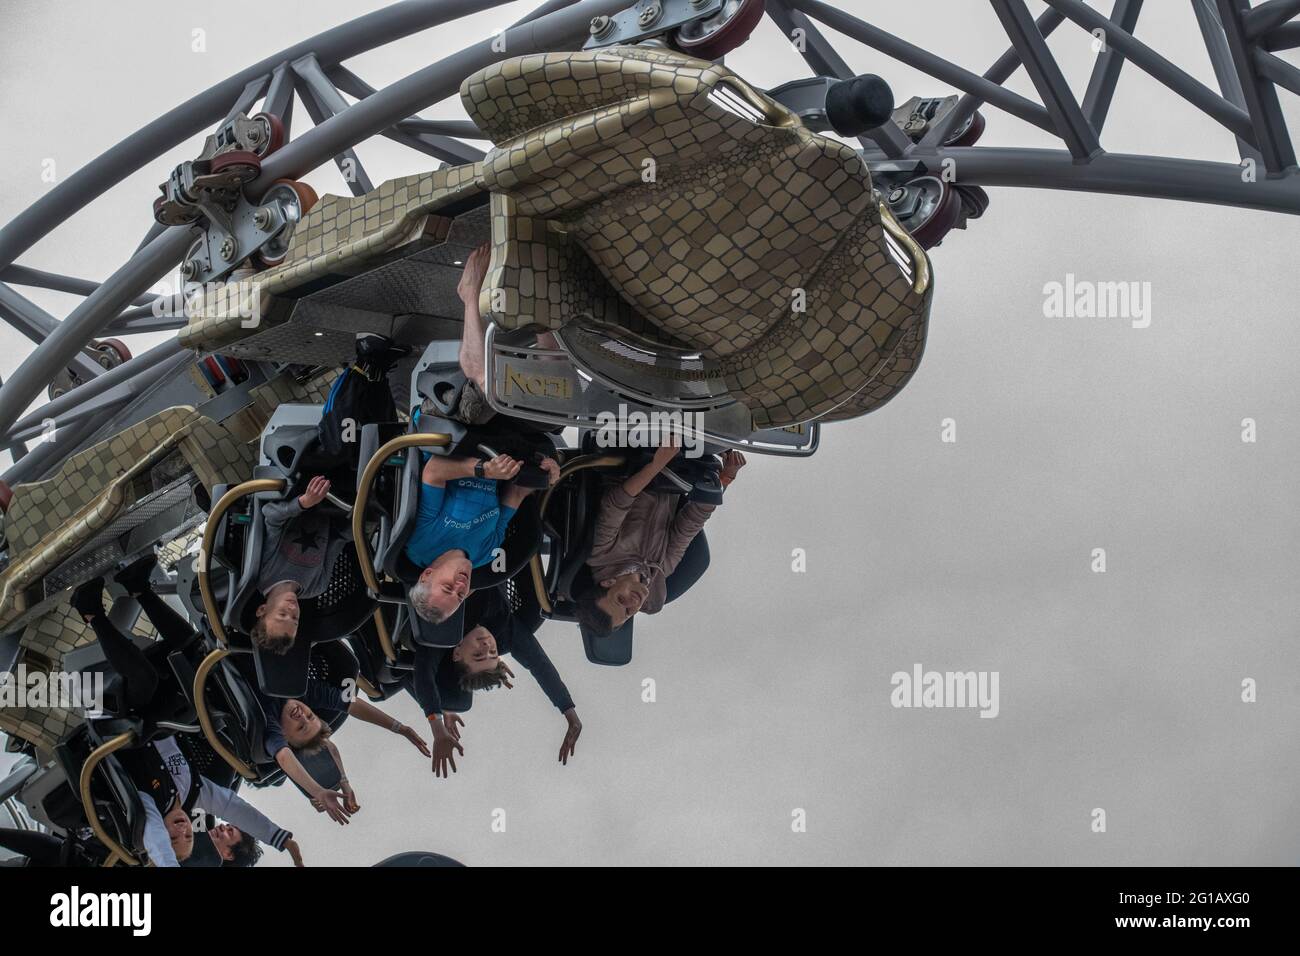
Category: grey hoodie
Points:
column 300, row 546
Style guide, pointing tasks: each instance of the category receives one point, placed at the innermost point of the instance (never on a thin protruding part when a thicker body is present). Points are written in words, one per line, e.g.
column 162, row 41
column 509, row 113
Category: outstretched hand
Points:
column 552, row 469
column 732, row 462
column 452, row 722
column 349, row 798
column 316, row 491
column 445, row 748
column 416, row 740
column 570, row 742
column 332, row 803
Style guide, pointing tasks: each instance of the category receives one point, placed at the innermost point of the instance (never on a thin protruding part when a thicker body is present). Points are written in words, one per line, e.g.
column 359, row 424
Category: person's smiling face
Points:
column 623, row 597
column 445, row 583
column 299, row 723
column 477, row 651
column 180, row 830
column 225, row 838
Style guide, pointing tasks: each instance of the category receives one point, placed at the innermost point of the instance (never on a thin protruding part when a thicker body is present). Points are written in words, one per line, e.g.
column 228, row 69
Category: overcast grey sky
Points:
column 1119, row 690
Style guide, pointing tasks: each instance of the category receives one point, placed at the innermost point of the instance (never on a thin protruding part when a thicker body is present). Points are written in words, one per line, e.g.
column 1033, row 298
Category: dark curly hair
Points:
column 246, row 852
column 484, row 680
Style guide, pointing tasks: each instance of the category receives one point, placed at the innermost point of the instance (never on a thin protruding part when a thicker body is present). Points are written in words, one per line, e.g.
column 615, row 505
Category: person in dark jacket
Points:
column 640, row 537
column 302, row 725
column 476, row 664
column 169, row 789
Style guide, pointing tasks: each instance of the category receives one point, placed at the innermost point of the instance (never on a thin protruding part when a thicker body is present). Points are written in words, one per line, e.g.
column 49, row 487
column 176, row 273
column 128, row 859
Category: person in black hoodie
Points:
column 169, row 790
column 476, row 664
column 302, row 725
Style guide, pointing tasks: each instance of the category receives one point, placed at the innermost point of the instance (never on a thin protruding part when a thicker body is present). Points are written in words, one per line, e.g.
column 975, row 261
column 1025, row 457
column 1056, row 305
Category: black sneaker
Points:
column 135, row 576
column 88, row 598
column 377, row 353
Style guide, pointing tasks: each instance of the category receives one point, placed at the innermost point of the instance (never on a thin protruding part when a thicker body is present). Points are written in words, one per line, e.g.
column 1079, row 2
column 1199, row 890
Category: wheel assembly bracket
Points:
column 231, row 236
column 648, row 18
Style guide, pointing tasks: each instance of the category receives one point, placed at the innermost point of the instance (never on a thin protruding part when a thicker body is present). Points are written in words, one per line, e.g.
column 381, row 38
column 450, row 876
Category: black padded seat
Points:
column 295, row 449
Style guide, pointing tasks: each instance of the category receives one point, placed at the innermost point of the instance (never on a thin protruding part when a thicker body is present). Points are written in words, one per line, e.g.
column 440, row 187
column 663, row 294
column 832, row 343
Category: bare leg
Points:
column 472, row 338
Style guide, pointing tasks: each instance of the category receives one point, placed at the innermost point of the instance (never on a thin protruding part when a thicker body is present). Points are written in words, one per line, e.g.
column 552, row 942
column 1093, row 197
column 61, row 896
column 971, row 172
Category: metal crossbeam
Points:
column 821, row 56
column 1268, row 16
column 1110, row 62
column 1266, row 117
column 998, row 73
column 39, row 279
column 279, row 96
column 324, row 101
column 1225, row 71
column 428, row 141
column 928, row 63
column 38, row 325
column 1071, row 124
column 1151, row 62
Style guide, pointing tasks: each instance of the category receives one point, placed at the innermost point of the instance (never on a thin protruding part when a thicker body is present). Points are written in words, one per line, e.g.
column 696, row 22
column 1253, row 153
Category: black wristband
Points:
column 478, row 469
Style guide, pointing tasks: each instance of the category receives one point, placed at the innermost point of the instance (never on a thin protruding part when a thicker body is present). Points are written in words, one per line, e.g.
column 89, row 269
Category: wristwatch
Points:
column 478, row 469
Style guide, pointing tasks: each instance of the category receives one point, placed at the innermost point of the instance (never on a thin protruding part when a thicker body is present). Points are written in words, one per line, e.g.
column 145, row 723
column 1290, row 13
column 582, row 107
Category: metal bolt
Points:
column 227, row 251
column 262, row 218
column 600, row 26
column 896, row 196
column 189, row 268
column 650, row 14
column 700, row 3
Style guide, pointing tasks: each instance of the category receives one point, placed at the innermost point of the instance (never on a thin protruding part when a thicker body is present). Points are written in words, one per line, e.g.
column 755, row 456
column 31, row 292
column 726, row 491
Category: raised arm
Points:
column 368, row 712
column 527, row 650
column 234, row 809
column 277, row 514
column 690, row 518
column 331, row 801
column 637, row 483
column 446, row 740
column 440, row 469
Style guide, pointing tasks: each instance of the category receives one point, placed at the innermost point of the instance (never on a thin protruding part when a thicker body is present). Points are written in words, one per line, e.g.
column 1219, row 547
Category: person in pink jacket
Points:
column 640, row 537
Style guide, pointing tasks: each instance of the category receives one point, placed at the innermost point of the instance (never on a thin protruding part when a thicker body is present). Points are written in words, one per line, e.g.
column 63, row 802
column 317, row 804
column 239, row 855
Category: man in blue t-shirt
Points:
column 463, row 514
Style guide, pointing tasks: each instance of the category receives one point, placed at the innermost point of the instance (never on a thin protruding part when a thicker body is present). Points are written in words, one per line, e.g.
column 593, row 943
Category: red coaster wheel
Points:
column 169, row 213
column 721, row 33
column 232, row 169
column 928, row 208
column 117, row 347
column 971, row 133
column 6, row 496
column 298, row 199
column 275, row 133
